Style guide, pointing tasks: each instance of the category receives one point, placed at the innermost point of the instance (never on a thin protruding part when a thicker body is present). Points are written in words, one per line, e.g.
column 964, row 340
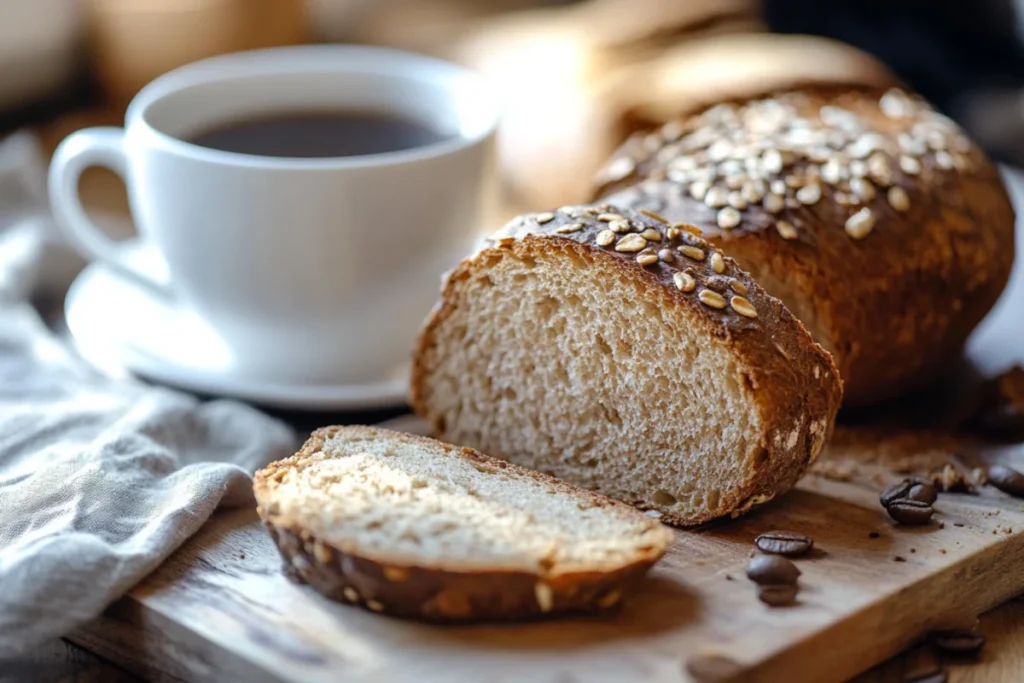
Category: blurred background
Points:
column 575, row 77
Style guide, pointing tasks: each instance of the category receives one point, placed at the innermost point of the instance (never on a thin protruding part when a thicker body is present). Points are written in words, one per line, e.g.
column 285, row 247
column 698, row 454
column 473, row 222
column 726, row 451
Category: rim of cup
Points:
column 465, row 87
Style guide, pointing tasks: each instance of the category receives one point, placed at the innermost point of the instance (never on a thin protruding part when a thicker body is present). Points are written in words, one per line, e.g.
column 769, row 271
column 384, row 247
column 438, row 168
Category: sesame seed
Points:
column 833, row 171
column 737, row 201
column 751, row 193
column 936, row 140
column 911, row 145
column 728, row 218
column 898, row 198
column 666, row 255
column 396, row 573
column 619, row 225
column 350, row 594
column 506, row 241
column 879, row 169
column 651, row 235
column 896, row 105
column 795, row 181
column 375, row 605
column 605, row 238
column 910, row 165
column 712, row 299
column 809, row 194
column 961, row 162
column 609, row 600
column 656, row 216
column 944, row 160
column 631, row 243
column 773, row 203
column 647, row 259
column 322, row 553
column 735, row 181
column 568, row 211
column 608, row 217
column 792, row 203
column 566, row 229
column 743, row 307
column 543, row 218
column 862, row 188
column 771, row 161
column 672, row 233
column 699, row 189
column 738, row 286
column 717, row 197
column 859, row 225
column 858, row 169
column 778, row 187
column 686, row 227
column 717, row 263
column 692, row 252
column 672, row 131
column 842, row 199
column 786, row 230
column 684, row 281
column 545, row 598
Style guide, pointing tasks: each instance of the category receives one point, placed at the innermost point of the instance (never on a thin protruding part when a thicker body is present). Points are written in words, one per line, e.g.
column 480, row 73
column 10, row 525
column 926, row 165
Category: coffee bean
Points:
column 924, row 493
column 897, row 491
column 1007, row 480
column 785, row 543
column 777, row 595
column 910, row 511
column 939, row 676
column 772, row 569
column 957, row 643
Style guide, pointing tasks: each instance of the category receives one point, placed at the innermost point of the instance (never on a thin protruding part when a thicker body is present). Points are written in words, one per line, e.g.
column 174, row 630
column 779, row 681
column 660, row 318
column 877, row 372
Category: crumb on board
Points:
column 900, row 558
column 942, row 550
column 874, row 534
column 958, row 524
column 913, row 550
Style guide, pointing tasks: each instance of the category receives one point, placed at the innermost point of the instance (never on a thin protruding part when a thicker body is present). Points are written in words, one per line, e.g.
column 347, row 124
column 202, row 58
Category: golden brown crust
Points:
column 893, row 306
column 403, row 588
column 791, row 379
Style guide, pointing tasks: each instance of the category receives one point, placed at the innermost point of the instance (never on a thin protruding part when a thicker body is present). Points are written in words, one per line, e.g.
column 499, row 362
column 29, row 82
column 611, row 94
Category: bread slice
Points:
column 627, row 356
column 413, row 527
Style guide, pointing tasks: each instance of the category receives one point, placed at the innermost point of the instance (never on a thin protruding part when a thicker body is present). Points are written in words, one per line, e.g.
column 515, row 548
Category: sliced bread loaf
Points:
column 630, row 357
column 413, row 527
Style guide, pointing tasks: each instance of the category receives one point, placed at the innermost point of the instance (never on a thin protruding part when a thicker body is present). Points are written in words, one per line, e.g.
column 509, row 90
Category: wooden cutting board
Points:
column 220, row 609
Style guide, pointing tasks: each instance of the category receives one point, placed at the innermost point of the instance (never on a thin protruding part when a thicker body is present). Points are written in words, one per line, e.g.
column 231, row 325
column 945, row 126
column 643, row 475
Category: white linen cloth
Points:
column 100, row 480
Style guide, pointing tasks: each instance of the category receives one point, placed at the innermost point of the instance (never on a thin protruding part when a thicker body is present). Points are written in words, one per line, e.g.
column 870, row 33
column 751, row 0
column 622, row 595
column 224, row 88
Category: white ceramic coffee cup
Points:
column 312, row 270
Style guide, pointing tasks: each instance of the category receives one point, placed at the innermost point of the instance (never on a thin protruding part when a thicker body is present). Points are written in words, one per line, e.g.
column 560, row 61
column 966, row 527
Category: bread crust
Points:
column 895, row 307
column 403, row 587
column 790, row 379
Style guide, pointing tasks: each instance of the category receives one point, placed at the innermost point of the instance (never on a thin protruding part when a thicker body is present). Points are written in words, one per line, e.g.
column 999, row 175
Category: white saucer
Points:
column 122, row 328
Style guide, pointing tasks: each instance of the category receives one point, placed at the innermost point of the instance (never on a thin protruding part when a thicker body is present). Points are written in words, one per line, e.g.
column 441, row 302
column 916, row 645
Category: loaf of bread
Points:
column 871, row 216
column 628, row 356
column 412, row 527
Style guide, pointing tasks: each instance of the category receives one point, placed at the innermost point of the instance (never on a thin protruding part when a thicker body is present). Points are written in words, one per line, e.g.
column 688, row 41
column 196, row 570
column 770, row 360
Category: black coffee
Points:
column 319, row 134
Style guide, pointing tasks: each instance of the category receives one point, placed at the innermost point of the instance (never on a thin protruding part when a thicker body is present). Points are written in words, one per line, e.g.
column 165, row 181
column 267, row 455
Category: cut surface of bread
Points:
column 677, row 386
column 412, row 526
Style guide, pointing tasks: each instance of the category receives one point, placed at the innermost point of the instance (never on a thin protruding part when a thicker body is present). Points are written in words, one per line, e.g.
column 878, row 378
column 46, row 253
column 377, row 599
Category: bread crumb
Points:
column 913, row 550
column 874, row 534
column 898, row 558
column 942, row 525
column 242, row 556
column 728, row 577
column 942, row 550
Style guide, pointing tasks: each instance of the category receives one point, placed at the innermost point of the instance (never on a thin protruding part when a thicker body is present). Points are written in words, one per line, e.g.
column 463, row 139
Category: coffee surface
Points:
column 318, row 134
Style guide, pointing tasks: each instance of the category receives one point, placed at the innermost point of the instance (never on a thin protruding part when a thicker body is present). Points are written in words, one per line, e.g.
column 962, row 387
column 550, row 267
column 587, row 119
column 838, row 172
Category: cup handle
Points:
column 80, row 150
